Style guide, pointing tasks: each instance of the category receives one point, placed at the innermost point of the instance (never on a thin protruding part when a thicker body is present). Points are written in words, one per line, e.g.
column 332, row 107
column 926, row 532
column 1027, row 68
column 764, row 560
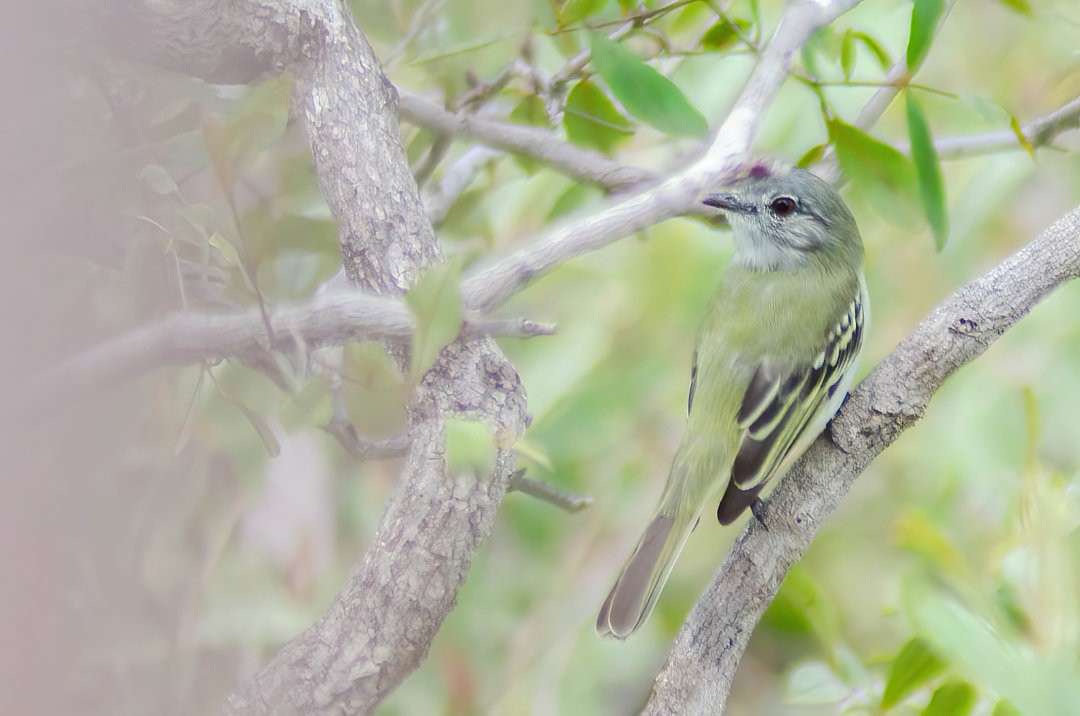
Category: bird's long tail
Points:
column 642, row 578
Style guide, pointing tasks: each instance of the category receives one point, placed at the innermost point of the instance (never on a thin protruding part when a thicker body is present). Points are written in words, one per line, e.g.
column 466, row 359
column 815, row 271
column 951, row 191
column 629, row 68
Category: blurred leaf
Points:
column 1021, row 6
column 847, row 53
column 159, row 180
column 575, row 197
column 189, row 416
column 435, row 300
column 592, row 120
column 918, row 534
column 645, row 93
column 824, row 41
column 813, row 154
column 915, row 665
column 530, row 451
column 924, row 20
column 724, row 34
column 217, row 148
column 955, row 698
column 1005, row 708
column 532, row 112
column 800, row 606
column 973, row 647
column 265, row 432
column 1014, row 125
column 574, row 11
column 876, row 49
column 228, row 252
column 990, row 111
column 877, row 168
column 928, row 168
column 815, row 683
column 470, row 447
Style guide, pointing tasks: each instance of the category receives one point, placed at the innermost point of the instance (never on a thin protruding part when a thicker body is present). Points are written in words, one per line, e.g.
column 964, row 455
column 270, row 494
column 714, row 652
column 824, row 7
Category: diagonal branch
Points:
column 491, row 287
column 535, row 142
column 699, row 671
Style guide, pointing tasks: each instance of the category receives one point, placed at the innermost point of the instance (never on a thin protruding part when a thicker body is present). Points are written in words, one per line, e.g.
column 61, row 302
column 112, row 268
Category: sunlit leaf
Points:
column 925, row 16
column 435, row 300
column 592, row 120
column 470, row 447
column 646, row 94
column 928, row 169
column 955, row 698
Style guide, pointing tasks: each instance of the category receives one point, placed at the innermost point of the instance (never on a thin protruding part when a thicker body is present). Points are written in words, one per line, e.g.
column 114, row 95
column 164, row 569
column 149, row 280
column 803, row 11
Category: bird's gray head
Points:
column 784, row 219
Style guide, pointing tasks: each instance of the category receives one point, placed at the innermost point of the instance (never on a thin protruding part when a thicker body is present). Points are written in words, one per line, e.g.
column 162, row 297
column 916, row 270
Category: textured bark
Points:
column 707, row 651
column 382, row 622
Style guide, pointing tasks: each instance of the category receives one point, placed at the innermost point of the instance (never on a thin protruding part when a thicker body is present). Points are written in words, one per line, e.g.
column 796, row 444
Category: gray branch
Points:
column 535, row 142
column 707, row 651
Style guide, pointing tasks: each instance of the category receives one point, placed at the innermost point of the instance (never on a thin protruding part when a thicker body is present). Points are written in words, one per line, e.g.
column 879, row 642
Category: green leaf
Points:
column 928, row 169
column 915, row 665
column 815, row 683
column 876, row 49
column 228, row 251
column 800, row 606
column 1005, row 708
column 724, row 34
column 847, row 53
column 577, row 196
column 813, row 154
column 591, row 119
column 877, row 168
column 955, row 698
column 577, row 10
column 1021, row 6
column 262, row 428
column 216, row 139
column 532, row 112
column 1014, row 125
column 470, row 447
column 435, row 300
column 646, row 94
column 924, row 20
column 159, row 180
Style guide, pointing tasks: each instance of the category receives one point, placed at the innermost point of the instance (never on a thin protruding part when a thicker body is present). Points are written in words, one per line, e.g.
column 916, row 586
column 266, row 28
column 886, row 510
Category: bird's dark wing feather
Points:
column 780, row 402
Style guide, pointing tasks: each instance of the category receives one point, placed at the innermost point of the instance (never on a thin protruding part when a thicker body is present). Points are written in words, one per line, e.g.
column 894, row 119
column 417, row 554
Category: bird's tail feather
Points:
column 642, row 578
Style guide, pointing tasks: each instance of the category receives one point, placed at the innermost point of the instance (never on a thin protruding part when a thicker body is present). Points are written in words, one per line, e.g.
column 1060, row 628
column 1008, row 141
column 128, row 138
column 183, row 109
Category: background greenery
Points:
column 225, row 519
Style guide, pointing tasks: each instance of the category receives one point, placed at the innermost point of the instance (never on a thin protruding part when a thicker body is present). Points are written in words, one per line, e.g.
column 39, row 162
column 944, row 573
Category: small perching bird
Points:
column 774, row 360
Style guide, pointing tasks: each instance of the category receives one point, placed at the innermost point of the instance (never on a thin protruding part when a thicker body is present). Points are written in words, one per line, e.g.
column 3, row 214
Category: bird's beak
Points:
column 727, row 202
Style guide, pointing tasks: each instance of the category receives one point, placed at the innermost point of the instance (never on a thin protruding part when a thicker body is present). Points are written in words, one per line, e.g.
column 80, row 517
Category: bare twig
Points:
column 699, row 671
column 522, row 139
column 1039, row 132
column 455, row 181
column 548, row 493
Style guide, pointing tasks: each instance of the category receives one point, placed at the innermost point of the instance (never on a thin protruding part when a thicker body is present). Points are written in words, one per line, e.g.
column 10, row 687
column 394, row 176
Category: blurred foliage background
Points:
column 222, row 519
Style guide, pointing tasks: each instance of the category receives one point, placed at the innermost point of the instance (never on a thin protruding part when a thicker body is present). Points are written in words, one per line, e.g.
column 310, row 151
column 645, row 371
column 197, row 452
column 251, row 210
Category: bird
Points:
column 774, row 359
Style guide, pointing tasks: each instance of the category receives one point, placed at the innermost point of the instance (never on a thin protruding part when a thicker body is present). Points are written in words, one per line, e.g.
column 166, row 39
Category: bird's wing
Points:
column 782, row 400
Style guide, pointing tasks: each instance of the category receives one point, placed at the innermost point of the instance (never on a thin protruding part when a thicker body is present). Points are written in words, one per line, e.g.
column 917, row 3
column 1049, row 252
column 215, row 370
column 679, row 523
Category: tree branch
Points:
column 487, row 289
column 700, row 669
column 535, row 142
column 1039, row 132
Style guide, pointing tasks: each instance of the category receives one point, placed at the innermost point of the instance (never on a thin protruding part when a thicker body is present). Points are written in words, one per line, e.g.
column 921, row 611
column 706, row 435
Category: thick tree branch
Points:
column 706, row 653
column 489, row 288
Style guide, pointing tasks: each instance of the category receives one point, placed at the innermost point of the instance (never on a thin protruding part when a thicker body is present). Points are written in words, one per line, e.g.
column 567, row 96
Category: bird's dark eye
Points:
column 784, row 206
